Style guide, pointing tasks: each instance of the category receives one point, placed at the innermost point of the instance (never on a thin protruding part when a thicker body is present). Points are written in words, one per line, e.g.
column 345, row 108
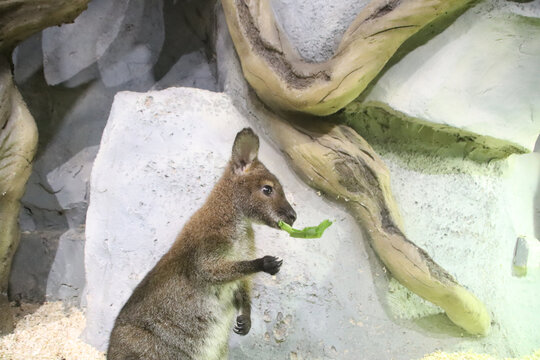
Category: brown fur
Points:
column 183, row 308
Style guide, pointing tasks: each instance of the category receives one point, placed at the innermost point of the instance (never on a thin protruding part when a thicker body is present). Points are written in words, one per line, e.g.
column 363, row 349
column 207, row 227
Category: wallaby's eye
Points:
column 267, row 190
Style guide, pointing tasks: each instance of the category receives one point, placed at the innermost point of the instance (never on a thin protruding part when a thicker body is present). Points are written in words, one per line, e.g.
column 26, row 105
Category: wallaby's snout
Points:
column 257, row 190
column 287, row 214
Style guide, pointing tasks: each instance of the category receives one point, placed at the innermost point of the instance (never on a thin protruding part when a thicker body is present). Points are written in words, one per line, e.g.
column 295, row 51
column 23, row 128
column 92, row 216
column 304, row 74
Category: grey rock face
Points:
column 48, row 267
column 85, row 61
column 191, row 70
column 163, row 151
column 68, row 50
column 137, row 45
column 57, row 272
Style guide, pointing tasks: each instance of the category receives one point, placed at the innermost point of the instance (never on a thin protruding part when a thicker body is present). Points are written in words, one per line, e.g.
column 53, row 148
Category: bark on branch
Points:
column 21, row 18
column 336, row 160
column 18, row 141
column 18, row 133
column 284, row 81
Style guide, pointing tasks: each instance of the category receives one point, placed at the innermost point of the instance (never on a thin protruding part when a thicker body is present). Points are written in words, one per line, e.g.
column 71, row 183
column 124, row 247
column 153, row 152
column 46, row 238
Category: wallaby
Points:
column 184, row 307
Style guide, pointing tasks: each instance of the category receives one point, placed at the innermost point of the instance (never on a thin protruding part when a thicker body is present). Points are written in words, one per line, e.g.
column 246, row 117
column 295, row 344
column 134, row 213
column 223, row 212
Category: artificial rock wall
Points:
column 332, row 298
column 464, row 213
column 68, row 76
column 456, row 85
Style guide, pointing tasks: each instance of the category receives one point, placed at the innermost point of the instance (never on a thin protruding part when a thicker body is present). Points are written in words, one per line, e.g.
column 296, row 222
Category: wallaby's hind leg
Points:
column 242, row 302
column 224, row 351
column 134, row 343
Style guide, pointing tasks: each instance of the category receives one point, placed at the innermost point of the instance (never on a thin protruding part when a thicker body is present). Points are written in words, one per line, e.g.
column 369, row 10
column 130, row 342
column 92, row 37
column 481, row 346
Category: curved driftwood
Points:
column 336, row 160
column 21, row 18
column 283, row 80
column 18, row 133
column 18, row 140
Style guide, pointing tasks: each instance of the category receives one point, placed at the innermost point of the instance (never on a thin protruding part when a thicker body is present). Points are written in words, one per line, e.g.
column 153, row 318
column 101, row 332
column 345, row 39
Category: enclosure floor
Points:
column 51, row 332
column 474, row 356
column 47, row 332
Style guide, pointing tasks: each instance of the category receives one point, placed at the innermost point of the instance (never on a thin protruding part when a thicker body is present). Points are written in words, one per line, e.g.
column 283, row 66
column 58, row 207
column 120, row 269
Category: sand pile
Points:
column 51, row 332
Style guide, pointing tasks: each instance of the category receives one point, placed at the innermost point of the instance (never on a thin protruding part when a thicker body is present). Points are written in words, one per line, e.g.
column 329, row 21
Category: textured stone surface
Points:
column 191, row 70
column 315, row 28
column 293, row 313
column 467, row 216
column 71, row 116
column 138, row 45
column 446, row 84
column 124, row 40
column 67, row 50
column 331, row 299
column 49, row 263
column 164, row 151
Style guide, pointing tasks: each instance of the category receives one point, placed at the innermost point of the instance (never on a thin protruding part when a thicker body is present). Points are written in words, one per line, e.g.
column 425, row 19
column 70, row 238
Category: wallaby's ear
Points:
column 245, row 150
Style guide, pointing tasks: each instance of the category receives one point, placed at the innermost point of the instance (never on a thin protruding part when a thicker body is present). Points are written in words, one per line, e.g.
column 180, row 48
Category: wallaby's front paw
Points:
column 243, row 324
column 271, row 264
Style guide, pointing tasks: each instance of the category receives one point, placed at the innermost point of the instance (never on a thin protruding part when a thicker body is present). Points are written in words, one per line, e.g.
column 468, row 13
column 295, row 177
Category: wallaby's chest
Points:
column 242, row 246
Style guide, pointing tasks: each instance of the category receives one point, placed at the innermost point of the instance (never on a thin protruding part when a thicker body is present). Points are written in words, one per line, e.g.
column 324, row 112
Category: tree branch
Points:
column 19, row 19
column 337, row 161
column 284, row 81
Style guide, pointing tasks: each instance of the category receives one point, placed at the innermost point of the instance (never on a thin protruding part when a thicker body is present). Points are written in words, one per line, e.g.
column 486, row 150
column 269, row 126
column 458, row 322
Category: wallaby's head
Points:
column 257, row 192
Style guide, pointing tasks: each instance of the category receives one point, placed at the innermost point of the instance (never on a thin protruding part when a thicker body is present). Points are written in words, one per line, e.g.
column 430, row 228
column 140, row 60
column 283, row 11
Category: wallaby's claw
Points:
column 271, row 264
column 243, row 324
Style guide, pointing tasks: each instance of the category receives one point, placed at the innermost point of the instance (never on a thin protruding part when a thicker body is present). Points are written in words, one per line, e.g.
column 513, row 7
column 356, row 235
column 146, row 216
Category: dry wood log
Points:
column 18, row 133
column 18, row 141
column 284, row 81
column 333, row 158
column 337, row 161
column 21, row 18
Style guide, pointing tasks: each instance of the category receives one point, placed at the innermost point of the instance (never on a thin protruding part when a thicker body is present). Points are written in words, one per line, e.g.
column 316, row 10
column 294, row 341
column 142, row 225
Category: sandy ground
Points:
column 51, row 332
column 47, row 332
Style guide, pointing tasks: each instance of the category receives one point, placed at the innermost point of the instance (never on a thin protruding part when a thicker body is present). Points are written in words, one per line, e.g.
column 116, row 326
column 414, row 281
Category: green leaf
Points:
column 309, row 232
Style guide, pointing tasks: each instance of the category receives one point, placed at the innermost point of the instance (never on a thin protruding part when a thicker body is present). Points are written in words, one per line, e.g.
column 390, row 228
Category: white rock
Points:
column 160, row 155
column 162, row 152
column 315, row 28
column 481, row 75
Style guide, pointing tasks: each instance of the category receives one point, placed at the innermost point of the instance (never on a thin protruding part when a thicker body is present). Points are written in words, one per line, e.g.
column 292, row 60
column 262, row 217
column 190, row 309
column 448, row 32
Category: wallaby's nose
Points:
column 290, row 214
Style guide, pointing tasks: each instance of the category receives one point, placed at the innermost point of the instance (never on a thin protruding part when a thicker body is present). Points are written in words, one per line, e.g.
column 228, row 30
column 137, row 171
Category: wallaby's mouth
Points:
column 288, row 216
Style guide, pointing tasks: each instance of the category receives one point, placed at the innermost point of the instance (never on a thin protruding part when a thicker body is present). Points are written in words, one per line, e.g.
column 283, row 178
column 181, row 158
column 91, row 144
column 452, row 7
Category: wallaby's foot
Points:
column 243, row 324
column 271, row 264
